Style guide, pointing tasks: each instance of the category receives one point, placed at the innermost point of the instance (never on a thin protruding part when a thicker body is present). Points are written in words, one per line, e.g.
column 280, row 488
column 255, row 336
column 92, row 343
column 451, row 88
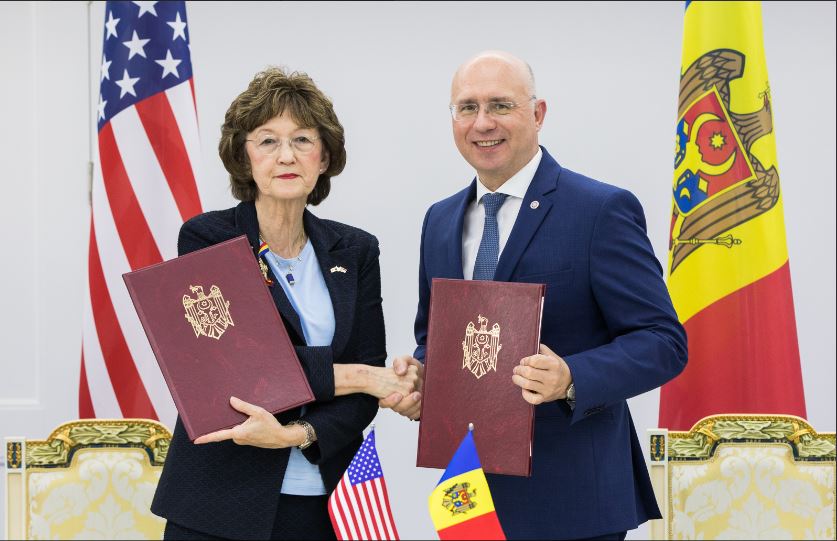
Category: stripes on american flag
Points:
column 359, row 506
column 143, row 190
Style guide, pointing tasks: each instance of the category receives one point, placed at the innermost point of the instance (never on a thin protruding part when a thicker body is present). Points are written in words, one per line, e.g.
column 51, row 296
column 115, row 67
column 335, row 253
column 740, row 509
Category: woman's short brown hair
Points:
column 273, row 92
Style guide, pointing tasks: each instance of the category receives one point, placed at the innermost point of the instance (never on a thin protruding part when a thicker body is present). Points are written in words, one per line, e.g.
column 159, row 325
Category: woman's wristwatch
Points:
column 310, row 435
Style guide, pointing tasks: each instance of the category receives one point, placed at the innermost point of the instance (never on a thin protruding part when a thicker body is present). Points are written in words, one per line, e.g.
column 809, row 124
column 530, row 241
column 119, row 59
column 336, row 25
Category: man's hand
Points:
column 543, row 377
column 410, row 405
column 382, row 382
column 260, row 430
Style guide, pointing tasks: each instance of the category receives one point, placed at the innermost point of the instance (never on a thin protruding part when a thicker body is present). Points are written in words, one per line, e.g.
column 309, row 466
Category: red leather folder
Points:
column 216, row 333
column 477, row 333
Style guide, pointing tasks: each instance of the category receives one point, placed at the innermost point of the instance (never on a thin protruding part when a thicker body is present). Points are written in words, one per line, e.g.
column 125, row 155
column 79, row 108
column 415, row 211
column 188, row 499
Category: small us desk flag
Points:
column 461, row 506
column 729, row 275
column 359, row 506
column 143, row 190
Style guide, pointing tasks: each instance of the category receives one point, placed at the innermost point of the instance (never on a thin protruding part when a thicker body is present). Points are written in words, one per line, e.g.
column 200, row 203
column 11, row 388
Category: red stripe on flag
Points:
column 134, row 233
column 385, row 505
column 127, row 384
column 163, row 133
column 352, row 516
column 371, row 509
column 194, row 98
column 743, row 357
column 85, row 404
column 359, row 512
column 486, row 526
column 343, row 518
column 364, row 511
column 336, row 520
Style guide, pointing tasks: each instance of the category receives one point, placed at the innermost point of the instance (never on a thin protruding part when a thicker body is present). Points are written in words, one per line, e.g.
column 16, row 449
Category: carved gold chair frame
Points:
column 57, row 451
column 700, row 444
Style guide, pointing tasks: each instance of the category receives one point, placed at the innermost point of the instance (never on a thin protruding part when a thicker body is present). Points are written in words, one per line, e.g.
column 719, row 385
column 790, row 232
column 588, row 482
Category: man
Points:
column 609, row 330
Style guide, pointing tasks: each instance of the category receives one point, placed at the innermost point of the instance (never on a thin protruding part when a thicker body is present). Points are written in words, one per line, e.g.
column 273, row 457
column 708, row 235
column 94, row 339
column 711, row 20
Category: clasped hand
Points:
column 407, row 403
column 382, row 382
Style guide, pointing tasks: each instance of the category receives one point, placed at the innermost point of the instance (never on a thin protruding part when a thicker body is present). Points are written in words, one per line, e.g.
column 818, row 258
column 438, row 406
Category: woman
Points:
column 269, row 477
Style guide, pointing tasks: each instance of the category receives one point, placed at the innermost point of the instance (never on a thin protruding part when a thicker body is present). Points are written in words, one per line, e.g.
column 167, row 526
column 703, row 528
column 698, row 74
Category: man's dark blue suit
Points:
column 608, row 313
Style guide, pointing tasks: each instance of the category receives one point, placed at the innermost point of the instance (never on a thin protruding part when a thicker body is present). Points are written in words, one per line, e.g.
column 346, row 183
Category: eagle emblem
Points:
column 209, row 315
column 458, row 499
column 718, row 181
column 480, row 347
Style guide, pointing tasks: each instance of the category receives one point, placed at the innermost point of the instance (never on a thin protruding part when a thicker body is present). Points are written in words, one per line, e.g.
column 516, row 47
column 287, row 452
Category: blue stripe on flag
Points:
column 464, row 460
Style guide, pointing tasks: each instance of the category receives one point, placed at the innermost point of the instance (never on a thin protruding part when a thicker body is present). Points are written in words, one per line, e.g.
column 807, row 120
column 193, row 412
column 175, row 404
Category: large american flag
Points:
column 143, row 189
column 359, row 506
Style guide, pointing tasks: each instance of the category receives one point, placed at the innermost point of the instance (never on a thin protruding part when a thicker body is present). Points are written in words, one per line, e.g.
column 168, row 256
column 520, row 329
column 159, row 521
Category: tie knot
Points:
column 493, row 202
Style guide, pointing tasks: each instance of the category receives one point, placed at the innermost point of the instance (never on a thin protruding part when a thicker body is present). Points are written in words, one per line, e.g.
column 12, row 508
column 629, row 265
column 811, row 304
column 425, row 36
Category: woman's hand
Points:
column 260, row 430
column 383, row 381
column 378, row 381
column 408, row 405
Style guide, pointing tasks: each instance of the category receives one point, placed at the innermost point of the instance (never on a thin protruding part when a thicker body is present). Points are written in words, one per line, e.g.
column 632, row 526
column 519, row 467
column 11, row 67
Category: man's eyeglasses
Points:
column 470, row 110
column 269, row 144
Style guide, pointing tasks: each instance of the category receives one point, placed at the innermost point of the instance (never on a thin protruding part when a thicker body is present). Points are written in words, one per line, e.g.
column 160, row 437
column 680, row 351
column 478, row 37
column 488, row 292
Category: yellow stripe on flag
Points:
column 475, row 501
column 729, row 25
column 712, row 271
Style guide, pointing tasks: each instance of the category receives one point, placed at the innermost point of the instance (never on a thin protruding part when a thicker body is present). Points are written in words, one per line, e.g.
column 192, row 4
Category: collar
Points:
column 517, row 185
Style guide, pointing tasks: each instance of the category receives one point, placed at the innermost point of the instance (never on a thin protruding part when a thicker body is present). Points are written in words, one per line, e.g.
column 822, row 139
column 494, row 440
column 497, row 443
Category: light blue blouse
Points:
column 310, row 298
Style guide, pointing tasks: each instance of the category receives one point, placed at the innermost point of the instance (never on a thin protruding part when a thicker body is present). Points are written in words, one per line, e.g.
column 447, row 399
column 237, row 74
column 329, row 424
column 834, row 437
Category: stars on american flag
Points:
column 365, row 466
column 136, row 46
column 179, row 28
column 169, row 65
column 110, row 26
column 126, row 85
column 145, row 47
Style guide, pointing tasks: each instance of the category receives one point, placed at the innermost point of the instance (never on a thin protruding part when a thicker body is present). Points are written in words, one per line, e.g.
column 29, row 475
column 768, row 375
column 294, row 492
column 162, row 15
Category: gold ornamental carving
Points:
column 208, row 314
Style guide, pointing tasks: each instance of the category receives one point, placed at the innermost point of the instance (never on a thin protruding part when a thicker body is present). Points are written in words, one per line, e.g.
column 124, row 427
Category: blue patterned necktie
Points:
column 489, row 251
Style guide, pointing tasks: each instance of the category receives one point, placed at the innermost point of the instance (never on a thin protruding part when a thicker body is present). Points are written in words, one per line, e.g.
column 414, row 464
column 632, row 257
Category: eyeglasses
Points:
column 470, row 110
column 268, row 144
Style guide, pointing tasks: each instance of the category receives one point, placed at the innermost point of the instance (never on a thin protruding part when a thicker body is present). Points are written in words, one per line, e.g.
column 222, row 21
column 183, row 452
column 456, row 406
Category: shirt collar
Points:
column 517, row 185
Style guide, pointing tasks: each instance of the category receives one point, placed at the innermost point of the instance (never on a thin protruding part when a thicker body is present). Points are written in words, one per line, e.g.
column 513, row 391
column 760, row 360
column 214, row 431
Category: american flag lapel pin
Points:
column 338, row 269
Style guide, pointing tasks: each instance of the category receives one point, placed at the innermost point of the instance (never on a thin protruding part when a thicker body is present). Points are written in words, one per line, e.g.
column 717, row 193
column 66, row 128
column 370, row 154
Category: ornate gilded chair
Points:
column 91, row 479
column 744, row 477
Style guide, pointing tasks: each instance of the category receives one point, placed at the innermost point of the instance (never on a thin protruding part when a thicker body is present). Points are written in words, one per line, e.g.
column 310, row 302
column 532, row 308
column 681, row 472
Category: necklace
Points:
column 289, row 275
column 264, row 249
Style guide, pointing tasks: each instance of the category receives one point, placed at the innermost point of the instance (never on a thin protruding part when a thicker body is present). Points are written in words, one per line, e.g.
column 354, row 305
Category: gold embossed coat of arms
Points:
column 208, row 314
column 480, row 347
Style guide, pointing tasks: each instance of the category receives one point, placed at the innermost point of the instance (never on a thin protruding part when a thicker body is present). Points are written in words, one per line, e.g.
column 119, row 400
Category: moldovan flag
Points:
column 461, row 506
column 729, row 275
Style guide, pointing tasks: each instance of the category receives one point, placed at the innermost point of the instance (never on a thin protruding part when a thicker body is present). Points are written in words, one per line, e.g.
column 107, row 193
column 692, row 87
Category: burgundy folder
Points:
column 216, row 333
column 477, row 333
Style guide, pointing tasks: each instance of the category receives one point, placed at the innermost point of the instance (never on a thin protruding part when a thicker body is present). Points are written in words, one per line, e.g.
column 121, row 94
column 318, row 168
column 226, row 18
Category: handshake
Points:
column 542, row 377
column 399, row 387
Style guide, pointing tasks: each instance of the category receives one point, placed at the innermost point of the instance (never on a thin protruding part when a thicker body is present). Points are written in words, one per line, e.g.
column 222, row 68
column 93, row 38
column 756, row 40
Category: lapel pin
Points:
column 533, row 205
column 263, row 268
column 338, row 269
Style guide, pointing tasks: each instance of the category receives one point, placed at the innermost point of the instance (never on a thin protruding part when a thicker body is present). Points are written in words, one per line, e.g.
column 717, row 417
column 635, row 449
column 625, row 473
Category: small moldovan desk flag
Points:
column 461, row 506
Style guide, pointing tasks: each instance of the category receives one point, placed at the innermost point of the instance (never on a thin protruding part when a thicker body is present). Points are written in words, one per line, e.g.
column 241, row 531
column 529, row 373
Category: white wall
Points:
column 609, row 73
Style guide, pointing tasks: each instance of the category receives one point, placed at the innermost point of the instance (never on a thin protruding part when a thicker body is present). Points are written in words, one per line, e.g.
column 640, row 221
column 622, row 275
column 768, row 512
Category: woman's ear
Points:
column 324, row 163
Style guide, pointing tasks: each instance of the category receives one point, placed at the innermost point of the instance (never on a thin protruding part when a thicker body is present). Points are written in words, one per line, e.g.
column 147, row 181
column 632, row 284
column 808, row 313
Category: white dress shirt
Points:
column 474, row 222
